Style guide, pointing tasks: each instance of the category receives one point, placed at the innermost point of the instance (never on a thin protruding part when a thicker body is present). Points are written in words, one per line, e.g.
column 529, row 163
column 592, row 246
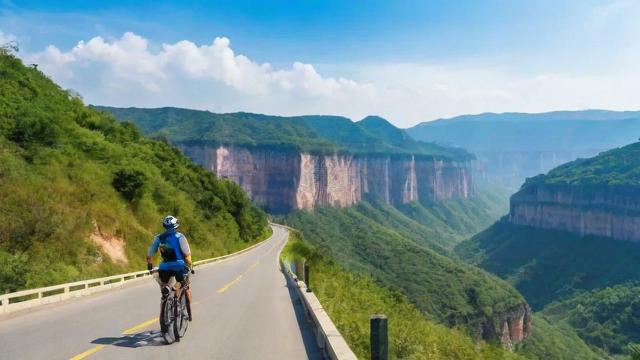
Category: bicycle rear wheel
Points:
column 167, row 320
column 181, row 317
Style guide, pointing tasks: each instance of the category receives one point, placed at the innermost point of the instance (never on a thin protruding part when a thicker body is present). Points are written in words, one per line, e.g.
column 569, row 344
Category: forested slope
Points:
column 82, row 194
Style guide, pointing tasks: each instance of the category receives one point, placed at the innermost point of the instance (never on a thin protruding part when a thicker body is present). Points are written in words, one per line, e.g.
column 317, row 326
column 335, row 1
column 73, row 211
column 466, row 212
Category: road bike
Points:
column 174, row 317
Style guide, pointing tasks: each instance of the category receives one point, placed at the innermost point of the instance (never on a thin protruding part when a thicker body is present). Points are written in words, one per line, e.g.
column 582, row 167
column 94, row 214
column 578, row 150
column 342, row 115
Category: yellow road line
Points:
column 235, row 281
column 229, row 285
column 129, row 331
column 150, row 322
column 88, row 352
column 140, row 326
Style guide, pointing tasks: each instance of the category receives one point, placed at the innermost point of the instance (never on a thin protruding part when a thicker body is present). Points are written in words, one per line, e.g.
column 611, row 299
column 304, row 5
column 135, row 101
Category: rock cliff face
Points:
column 282, row 180
column 604, row 210
column 514, row 326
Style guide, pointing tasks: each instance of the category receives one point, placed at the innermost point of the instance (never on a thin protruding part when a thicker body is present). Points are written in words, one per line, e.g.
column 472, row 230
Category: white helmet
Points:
column 170, row 222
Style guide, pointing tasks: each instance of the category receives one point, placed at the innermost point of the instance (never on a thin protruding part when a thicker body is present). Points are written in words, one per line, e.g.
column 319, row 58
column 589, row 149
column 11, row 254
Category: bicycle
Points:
column 174, row 317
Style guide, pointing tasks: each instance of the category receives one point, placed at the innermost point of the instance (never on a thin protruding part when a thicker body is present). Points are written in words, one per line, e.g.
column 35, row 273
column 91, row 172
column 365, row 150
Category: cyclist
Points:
column 176, row 256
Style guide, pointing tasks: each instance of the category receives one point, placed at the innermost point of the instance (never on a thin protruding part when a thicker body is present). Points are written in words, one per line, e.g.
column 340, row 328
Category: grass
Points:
column 67, row 170
column 351, row 299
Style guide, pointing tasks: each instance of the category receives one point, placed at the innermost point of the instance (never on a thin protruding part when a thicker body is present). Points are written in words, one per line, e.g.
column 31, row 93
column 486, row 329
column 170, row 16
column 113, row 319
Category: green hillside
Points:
column 608, row 318
column 69, row 174
column 351, row 297
column 546, row 265
column 304, row 133
column 447, row 290
column 619, row 166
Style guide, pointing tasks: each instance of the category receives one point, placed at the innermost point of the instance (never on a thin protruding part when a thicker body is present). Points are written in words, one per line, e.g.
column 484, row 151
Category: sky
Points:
column 408, row 61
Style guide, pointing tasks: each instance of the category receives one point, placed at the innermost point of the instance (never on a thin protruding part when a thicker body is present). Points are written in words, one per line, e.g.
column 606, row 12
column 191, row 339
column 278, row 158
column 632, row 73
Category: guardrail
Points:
column 31, row 298
column 328, row 337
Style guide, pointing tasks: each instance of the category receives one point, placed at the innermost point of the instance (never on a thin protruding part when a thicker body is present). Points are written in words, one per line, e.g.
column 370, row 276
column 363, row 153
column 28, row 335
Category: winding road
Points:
column 243, row 309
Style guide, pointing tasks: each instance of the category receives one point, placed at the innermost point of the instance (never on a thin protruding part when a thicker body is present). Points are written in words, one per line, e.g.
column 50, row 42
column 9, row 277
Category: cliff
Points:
column 597, row 196
column 604, row 210
column 514, row 146
column 282, row 180
column 514, row 326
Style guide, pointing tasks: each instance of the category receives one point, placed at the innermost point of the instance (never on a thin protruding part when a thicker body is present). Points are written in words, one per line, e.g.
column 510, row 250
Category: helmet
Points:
column 170, row 222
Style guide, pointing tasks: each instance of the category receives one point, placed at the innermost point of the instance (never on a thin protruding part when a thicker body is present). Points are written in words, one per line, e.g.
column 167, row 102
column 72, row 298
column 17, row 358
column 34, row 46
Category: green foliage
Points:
column 68, row 171
column 351, row 299
column 557, row 341
column 129, row 183
column 634, row 351
column 608, row 318
column 619, row 166
column 379, row 240
column 546, row 265
column 303, row 133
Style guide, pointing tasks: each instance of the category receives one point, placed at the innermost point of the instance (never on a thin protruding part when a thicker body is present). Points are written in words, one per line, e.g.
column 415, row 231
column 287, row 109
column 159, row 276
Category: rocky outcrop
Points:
column 514, row 325
column 282, row 180
column 604, row 210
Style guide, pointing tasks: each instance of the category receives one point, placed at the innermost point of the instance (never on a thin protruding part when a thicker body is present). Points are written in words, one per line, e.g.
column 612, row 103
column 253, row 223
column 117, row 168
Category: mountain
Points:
column 380, row 255
column 570, row 235
column 514, row 146
column 289, row 163
column 83, row 195
column 308, row 134
column 363, row 240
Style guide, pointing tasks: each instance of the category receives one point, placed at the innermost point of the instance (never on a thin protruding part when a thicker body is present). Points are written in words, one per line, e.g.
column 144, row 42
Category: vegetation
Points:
column 555, row 341
column 547, row 265
column 376, row 239
column 303, row 133
column 619, row 166
column 608, row 318
column 351, row 299
column 68, row 171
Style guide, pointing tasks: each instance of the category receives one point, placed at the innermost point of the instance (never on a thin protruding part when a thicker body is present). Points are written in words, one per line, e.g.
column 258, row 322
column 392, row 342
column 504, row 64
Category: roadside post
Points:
column 306, row 276
column 379, row 338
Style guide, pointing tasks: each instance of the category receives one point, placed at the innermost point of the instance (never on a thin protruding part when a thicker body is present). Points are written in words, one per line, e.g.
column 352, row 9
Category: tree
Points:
column 634, row 351
column 130, row 183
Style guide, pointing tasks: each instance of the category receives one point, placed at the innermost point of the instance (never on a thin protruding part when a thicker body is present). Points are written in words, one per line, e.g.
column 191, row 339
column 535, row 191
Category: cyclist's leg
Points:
column 183, row 278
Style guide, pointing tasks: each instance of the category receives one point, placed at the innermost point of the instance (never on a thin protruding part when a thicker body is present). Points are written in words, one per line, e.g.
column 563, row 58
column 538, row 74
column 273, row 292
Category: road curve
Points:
column 243, row 309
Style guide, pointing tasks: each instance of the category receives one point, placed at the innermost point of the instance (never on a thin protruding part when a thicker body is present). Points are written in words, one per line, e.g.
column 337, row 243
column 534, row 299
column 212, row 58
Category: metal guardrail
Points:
column 31, row 298
column 328, row 338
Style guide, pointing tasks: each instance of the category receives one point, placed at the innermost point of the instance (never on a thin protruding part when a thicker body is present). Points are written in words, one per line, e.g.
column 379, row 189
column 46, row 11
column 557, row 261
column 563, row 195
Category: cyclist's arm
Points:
column 153, row 249
column 186, row 251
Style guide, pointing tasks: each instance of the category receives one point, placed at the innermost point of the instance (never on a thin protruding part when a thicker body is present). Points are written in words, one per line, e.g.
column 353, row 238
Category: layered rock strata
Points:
column 604, row 210
column 282, row 180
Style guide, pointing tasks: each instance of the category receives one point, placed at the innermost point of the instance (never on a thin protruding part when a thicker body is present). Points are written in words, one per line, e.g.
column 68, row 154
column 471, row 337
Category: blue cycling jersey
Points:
column 169, row 244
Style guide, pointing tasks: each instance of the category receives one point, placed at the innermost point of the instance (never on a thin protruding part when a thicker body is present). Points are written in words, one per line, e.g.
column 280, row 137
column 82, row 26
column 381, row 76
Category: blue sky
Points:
column 409, row 61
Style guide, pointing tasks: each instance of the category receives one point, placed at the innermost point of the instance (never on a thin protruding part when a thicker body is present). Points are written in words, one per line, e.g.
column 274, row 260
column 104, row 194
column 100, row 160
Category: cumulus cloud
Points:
column 130, row 61
column 131, row 71
column 6, row 38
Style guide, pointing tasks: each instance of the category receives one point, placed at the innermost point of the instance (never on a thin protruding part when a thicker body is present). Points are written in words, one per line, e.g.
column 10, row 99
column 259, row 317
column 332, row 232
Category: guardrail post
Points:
column 306, row 276
column 379, row 338
column 300, row 269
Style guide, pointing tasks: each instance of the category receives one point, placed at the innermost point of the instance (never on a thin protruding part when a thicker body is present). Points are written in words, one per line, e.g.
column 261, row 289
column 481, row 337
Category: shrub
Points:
column 130, row 183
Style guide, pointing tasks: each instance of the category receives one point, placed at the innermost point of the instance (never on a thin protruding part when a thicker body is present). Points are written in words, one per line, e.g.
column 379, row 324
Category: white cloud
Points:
column 130, row 60
column 6, row 38
column 130, row 71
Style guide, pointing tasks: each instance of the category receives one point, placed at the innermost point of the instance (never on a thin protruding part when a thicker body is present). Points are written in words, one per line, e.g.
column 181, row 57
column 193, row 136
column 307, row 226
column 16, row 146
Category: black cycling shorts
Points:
column 181, row 276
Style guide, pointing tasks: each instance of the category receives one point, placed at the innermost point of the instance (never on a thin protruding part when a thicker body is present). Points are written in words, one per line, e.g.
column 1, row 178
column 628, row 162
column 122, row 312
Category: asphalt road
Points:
column 243, row 309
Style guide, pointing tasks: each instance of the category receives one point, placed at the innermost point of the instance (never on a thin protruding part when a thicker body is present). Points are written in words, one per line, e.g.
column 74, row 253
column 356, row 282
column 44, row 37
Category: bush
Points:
column 130, row 183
